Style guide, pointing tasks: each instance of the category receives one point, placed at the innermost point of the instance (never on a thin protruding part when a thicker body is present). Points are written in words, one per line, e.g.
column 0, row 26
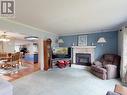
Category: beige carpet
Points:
column 68, row 81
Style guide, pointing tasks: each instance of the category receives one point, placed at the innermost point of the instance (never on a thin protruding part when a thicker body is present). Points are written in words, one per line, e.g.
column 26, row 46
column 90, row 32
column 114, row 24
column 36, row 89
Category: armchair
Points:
column 107, row 67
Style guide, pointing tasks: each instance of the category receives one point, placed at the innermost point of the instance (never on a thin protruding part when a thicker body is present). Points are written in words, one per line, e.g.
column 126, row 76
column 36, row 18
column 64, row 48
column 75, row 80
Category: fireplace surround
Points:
column 81, row 50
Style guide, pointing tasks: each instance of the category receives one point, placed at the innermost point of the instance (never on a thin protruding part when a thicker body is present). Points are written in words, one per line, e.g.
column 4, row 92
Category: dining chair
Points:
column 15, row 59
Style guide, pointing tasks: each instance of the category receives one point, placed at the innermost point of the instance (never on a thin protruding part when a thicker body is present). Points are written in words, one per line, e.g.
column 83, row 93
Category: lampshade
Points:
column 60, row 41
column 101, row 40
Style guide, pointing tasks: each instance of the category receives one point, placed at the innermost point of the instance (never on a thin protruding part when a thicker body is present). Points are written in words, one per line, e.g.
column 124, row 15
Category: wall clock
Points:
column 82, row 40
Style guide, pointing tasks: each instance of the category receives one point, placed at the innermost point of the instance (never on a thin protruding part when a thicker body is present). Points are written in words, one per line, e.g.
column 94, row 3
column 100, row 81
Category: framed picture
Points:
column 82, row 40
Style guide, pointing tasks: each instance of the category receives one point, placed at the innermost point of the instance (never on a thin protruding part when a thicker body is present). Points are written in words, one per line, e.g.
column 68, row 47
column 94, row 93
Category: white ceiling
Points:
column 72, row 16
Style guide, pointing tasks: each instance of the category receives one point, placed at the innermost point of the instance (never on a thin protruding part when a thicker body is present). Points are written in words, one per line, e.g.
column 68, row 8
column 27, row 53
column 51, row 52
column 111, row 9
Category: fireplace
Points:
column 83, row 59
column 83, row 55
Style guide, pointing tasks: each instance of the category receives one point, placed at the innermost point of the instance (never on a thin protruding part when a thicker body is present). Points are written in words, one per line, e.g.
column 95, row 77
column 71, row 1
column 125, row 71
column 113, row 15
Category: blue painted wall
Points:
column 111, row 46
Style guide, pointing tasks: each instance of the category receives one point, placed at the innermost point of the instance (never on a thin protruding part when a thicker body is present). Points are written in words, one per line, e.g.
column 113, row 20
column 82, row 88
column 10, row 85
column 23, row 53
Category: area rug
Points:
column 69, row 81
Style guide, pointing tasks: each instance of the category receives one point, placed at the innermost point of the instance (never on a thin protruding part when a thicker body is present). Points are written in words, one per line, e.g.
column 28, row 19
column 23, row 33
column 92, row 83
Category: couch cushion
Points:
column 98, row 69
column 111, row 71
column 106, row 62
column 101, row 70
column 109, row 57
column 109, row 67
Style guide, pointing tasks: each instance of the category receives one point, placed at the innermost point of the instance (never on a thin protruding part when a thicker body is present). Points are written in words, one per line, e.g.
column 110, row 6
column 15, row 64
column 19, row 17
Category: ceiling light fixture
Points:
column 4, row 38
column 31, row 38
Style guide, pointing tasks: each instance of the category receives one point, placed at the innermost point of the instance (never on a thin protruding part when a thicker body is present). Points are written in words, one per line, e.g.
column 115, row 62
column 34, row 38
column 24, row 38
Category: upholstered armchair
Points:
column 107, row 67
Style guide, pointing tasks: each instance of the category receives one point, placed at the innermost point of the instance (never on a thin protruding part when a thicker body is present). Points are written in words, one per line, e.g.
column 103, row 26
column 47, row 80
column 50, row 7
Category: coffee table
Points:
column 121, row 89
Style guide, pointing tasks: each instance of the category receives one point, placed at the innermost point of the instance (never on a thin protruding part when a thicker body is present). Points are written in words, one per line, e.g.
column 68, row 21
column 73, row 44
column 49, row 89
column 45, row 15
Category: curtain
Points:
column 123, row 41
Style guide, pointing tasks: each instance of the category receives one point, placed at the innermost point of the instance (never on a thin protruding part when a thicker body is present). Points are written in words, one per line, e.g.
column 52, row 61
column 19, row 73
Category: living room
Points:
column 80, row 47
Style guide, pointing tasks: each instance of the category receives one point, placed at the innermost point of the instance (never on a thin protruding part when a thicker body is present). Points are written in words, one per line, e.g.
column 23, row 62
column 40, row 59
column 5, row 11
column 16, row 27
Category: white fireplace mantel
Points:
column 83, row 49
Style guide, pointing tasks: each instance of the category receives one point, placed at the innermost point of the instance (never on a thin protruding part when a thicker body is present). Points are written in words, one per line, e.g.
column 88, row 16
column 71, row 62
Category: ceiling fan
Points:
column 5, row 38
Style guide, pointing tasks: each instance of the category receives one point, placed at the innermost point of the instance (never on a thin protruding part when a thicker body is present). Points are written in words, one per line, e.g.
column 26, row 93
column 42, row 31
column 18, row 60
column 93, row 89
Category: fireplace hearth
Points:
column 83, row 59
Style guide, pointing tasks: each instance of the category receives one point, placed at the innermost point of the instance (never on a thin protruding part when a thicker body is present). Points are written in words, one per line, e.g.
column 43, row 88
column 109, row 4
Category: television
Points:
column 61, row 52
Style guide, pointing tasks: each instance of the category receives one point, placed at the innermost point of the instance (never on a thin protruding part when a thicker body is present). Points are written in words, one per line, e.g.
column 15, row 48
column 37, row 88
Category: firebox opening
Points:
column 83, row 59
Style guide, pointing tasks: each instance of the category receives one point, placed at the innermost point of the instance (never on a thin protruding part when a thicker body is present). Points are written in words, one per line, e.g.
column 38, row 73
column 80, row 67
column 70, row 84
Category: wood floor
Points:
column 31, row 68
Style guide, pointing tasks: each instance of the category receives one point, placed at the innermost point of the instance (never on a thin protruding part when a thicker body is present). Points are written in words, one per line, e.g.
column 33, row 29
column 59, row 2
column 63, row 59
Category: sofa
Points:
column 107, row 67
column 6, row 88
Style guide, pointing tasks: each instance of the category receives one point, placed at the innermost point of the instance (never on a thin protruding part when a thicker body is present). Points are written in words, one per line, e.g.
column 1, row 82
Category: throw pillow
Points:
column 98, row 63
column 61, row 64
column 67, row 62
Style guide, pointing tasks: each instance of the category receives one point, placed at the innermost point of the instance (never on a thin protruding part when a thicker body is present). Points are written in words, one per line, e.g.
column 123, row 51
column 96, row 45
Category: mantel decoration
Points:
column 82, row 40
